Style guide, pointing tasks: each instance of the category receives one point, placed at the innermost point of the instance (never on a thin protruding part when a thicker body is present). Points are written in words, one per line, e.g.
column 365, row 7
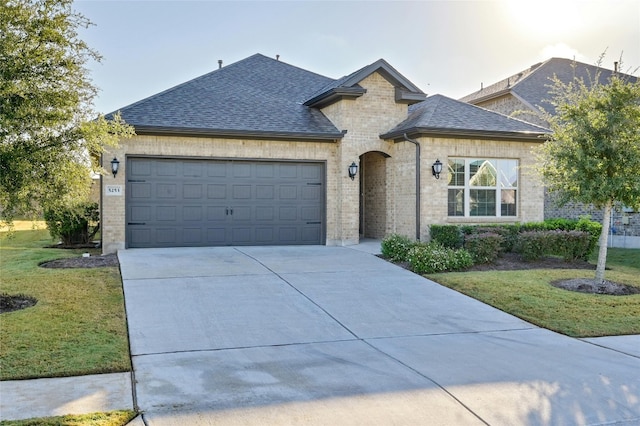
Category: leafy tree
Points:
column 593, row 153
column 50, row 137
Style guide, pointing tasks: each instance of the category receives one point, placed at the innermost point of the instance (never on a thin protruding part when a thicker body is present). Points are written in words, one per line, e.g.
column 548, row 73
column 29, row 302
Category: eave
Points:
column 238, row 134
column 417, row 132
column 334, row 95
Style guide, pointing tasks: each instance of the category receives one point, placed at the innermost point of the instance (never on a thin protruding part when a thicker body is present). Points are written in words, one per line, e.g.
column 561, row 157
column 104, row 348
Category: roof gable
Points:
column 257, row 96
column 348, row 86
column 443, row 116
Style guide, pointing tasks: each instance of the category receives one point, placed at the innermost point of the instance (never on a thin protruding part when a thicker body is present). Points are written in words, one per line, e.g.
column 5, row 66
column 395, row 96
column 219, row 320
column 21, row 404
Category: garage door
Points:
column 183, row 202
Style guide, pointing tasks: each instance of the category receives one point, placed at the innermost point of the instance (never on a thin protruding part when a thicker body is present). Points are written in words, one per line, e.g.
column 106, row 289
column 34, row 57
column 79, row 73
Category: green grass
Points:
column 529, row 295
column 112, row 418
column 77, row 327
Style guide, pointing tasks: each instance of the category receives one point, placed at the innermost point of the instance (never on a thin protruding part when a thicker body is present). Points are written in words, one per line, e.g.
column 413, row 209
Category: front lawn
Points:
column 78, row 325
column 112, row 418
column 528, row 294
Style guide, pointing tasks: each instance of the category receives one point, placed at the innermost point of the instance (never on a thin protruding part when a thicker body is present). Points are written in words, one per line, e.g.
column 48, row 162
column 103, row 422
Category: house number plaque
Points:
column 113, row 190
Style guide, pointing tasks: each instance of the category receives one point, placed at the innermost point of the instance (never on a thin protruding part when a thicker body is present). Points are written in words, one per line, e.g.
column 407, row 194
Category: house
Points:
column 524, row 94
column 261, row 152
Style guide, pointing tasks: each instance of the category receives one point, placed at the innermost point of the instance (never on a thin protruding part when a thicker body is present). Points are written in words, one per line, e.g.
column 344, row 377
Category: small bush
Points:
column 532, row 245
column 447, row 235
column 593, row 228
column 433, row 257
column 484, row 247
column 571, row 245
column 396, row 247
column 76, row 224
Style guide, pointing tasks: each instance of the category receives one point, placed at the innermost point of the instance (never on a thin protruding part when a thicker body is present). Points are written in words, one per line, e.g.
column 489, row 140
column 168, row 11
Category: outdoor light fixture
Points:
column 114, row 166
column 436, row 169
column 353, row 170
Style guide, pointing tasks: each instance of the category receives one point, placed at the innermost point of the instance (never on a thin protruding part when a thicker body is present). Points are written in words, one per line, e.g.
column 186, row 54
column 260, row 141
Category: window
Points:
column 482, row 187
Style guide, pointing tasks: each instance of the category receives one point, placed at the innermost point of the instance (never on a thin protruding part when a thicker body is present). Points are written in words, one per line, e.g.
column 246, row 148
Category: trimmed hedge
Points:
column 571, row 245
column 571, row 248
column 484, row 247
column 447, row 235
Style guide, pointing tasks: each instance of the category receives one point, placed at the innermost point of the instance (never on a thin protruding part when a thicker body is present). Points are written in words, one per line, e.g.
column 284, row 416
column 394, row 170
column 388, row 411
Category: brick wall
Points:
column 113, row 208
column 434, row 191
column 364, row 118
column 373, row 176
column 387, row 170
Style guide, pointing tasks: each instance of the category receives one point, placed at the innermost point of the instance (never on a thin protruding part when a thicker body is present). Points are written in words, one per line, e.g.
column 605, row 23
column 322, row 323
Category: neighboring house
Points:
column 259, row 153
column 522, row 95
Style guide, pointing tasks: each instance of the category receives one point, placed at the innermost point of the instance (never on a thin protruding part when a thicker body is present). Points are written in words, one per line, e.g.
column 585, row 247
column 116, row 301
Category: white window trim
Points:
column 467, row 188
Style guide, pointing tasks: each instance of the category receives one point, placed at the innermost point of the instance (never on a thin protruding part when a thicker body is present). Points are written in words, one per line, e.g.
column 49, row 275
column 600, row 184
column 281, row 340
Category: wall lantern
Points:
column 436, row 169
column 114, row 166
column 353, row 170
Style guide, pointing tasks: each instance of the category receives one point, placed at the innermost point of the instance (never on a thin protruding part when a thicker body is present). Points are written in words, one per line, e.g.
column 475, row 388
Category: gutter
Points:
column 417, row 144
column 238, row 134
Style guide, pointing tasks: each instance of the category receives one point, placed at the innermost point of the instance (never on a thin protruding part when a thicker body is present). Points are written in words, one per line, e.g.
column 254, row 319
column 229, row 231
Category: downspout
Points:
column 417, row 144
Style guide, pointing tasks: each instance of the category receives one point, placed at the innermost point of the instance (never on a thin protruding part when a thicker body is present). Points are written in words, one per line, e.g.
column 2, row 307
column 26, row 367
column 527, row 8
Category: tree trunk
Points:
column 604, row 237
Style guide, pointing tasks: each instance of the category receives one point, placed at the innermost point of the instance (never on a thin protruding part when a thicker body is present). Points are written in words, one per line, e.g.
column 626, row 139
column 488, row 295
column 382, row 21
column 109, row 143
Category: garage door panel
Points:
column 192, row 191
column 166, row 236
column 166, row 213
column 140, row 190
column 192, row 213
column 217, row 213
column 265, row 213
column 192, row 236
column 140, row 213
column 184, row 202
column 217, row 192
column 167, row 168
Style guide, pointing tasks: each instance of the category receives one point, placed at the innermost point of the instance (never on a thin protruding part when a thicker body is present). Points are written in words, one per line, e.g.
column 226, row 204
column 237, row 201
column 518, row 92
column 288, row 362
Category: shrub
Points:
column 571, row 245
column 532, row 245
column 447, row 235
column 76, row 224
column 433, row 257
column 593, row 228
column 484, row 247
column 396, row 247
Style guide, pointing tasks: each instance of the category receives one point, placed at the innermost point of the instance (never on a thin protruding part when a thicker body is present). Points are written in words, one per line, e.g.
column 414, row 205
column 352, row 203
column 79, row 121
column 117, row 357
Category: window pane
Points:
column 508, row 202
column 482, row 202
column 456, row 202
column 456, row 172
column 508, row 173
column 482, row 173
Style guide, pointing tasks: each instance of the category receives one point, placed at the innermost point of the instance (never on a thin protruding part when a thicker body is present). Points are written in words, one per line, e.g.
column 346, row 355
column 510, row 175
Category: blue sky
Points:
column 447, row 47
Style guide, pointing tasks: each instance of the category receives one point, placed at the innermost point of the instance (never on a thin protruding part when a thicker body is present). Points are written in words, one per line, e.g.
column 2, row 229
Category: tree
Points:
column 50, row 137
column 593, row 152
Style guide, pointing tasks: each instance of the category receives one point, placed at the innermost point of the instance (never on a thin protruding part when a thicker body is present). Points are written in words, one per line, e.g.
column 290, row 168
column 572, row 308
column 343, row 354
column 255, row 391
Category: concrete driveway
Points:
column 333, row 335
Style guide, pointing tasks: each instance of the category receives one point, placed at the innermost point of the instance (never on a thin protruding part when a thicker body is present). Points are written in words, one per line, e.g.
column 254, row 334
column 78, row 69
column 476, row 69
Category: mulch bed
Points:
column 514, row 262
column 10, row 303
column 83, row 262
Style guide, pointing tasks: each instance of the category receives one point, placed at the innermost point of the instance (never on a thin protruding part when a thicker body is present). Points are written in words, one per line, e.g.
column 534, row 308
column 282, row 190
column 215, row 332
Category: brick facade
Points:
column 384, row 186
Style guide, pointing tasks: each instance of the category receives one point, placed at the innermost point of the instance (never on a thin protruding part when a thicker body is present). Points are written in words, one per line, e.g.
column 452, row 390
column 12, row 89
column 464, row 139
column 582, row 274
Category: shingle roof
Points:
column 348, row 86
column 256, row 96
column 532, row 85
column 440, row 115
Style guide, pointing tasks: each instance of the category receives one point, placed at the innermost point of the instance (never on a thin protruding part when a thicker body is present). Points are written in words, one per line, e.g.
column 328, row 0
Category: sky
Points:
column 447, row 47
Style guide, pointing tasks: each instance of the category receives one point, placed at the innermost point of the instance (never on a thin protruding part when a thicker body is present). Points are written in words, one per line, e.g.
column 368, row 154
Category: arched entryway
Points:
column 373, row 195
